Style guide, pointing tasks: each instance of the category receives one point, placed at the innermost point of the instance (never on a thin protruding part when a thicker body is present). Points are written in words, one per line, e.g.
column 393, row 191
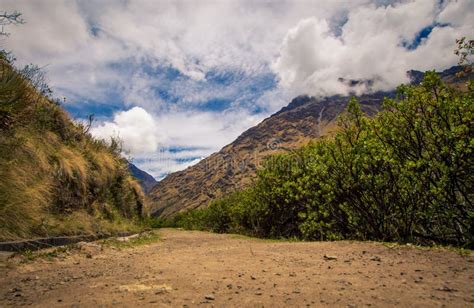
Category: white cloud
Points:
column 190, row 137
column 78, row 41
column 135, row 127
column 192, row 37
column 173, row 141
column 161, row 167
column 92, row 48
column 371, row 46
column 458, row 13
column 204, row 129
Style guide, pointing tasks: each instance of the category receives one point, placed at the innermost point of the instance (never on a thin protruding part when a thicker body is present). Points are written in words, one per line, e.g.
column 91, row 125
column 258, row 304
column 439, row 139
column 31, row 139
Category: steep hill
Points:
column 55, row 179
column 234, row 166
column 146, row 180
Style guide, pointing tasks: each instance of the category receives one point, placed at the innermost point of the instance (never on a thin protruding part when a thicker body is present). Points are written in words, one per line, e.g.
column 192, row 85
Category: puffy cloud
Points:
column 210, row 130
column 373, row 45
column 173, row 141
column 80, row 43
column 135, row 127
column 159, row 167
column 189, row 137
column 102, row 52
column 308, row 54
column 458, row 13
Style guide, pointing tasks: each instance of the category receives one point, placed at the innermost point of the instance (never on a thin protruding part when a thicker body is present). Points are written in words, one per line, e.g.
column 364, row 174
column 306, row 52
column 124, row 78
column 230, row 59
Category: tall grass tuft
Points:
column 55, row 178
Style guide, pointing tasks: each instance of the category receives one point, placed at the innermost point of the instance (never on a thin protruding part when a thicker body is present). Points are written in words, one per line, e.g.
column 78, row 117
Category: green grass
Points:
column 144, row 239
column 48, row 254
column 52, row 253
column 265, row 239
column 463, row 252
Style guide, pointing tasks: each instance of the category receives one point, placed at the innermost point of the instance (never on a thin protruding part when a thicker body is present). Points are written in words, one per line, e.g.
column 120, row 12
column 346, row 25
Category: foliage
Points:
column 54, row 177
column 464, row 50
column 406, row 175
column 144, row 238
column 6, row 19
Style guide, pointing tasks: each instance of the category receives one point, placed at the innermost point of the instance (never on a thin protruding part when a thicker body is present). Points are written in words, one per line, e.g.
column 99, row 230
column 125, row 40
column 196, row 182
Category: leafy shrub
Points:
column 405, row 175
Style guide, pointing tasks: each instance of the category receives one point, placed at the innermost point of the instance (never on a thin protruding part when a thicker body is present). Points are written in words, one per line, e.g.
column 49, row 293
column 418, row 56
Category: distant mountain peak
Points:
column 146, row 180
column 233, row 167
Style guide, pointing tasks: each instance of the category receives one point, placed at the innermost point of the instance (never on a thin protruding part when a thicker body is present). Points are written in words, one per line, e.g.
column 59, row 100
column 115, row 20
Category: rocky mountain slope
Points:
column 146, row 180
column 234, row 166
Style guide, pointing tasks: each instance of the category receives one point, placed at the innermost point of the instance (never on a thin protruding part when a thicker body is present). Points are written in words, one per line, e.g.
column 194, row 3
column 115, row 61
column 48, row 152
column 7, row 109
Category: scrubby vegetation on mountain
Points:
column 235, row 165
column 55, row 179
column 405, row 175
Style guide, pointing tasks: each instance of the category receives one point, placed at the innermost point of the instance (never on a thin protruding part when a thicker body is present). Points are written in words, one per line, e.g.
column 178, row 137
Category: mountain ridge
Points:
column 146, row 180
column 233, row 167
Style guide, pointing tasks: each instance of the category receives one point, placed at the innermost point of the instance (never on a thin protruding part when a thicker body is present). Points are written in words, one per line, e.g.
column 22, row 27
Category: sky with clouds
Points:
column 178, row 80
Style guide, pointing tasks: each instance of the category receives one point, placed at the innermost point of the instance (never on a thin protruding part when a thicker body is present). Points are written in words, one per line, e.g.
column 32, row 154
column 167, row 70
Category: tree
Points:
column 465, row 50
column 7, row 19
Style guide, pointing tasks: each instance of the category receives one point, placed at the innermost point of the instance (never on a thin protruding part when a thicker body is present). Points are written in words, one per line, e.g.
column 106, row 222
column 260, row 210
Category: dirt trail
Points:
column 191, row 269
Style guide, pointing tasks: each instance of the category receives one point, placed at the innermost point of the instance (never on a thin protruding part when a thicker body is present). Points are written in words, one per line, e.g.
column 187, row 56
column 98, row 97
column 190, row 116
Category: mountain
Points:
column 146, row 180
column 233, row 167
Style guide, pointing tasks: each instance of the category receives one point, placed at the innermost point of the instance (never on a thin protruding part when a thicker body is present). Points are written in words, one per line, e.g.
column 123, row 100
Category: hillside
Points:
column 146, row 180
column 55, row 179
column 234, row 166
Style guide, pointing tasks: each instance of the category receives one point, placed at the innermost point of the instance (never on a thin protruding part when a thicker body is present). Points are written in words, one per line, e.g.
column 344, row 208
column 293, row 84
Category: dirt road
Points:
column 186, row 269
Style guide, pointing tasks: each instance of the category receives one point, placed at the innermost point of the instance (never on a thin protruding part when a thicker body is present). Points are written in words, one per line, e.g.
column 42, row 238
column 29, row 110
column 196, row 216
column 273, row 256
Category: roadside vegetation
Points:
column 55, row 178
column 406, row 175
column 144, row 238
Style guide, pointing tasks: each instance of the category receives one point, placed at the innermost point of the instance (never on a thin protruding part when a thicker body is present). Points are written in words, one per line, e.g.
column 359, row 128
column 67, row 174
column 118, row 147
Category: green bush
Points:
column 405, row 175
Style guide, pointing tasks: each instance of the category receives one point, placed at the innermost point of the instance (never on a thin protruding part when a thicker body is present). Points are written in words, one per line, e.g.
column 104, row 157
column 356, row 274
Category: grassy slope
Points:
column 55, row 179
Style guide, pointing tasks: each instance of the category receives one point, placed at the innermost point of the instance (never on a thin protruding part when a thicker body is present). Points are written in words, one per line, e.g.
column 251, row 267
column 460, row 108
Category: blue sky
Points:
column 178, row 80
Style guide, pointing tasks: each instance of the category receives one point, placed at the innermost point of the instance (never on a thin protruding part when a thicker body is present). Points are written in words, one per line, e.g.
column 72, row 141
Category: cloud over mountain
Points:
column 376, row 43
column 210, row 69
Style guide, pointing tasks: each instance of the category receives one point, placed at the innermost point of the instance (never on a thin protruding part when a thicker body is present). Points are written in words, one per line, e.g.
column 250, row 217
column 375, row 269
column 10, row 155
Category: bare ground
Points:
column 187, row 268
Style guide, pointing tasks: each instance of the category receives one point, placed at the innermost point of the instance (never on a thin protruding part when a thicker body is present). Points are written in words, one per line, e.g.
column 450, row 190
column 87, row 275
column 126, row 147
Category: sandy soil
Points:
column 186, row 269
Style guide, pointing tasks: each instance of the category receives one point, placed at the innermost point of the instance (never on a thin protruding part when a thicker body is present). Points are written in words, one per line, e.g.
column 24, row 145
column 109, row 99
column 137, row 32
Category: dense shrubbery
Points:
column 54, row 177
column 406, row 175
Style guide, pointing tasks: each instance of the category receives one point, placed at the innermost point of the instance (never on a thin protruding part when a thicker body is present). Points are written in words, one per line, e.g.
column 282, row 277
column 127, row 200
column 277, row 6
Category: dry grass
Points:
column 104, row 167
column 54, row 177
column 71, row 165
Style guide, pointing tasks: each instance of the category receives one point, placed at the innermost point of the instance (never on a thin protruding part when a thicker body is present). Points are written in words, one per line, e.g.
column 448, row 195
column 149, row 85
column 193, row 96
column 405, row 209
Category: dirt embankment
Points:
column 186, row 269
